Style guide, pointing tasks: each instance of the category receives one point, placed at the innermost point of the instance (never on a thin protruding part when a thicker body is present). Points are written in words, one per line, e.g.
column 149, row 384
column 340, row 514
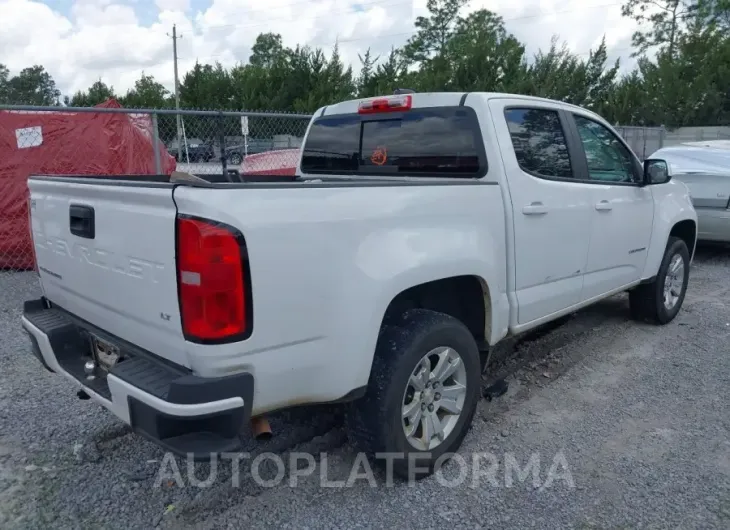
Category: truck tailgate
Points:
column 106, row 254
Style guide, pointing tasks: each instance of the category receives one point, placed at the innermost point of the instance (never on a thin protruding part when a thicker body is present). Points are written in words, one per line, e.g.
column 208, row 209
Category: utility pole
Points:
column 177, row 88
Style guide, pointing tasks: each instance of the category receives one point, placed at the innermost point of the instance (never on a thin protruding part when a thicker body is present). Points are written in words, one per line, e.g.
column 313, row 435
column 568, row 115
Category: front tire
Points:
column 422, row 394
column 659, row 302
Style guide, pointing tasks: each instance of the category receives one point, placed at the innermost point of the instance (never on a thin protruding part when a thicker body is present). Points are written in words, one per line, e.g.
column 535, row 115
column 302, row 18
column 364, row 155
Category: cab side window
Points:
column 539, row 142
column 608, row 159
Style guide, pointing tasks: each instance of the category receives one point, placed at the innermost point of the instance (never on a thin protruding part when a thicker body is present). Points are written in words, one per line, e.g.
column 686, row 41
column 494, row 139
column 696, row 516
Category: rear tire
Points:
column 393, row 405
column 659, row 302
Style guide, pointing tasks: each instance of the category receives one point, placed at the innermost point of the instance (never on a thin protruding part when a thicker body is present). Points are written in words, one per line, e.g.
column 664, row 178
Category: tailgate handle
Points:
column 81, row 221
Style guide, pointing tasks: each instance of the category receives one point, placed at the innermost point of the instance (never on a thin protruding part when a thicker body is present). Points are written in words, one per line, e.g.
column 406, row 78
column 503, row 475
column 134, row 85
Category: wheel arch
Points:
column 682, row 225
column 686, row 230
column 467, row 298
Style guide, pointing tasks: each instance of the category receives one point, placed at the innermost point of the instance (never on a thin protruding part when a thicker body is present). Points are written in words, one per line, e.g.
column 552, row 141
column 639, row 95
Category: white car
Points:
column 705, row 168
column 421, row 230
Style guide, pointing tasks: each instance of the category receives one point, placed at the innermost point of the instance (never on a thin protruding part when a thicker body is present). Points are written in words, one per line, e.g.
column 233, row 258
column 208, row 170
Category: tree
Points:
column 434, row 32
column 377, row 79
column 666, row 20
column 33, row 86
column 330, row 81
column 483, row 56
column 553, row 74
column 715, row 13
column 685, row 82
column 628, row 102
column 267, row 51
column 428, row 48
column 206, row 86
column 365, row 79
column 4, row 84
column 147, row 94
column 97, row 93
column 599, row 80
column 690, row 88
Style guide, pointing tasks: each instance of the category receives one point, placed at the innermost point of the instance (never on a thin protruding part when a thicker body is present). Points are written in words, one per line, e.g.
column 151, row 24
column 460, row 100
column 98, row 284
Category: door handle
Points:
column 535, row 208
column 81, row 221
column 604, row 206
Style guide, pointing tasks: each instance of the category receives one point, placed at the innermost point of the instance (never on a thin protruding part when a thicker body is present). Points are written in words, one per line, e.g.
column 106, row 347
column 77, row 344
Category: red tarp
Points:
column 280, row 162
column 65, row 143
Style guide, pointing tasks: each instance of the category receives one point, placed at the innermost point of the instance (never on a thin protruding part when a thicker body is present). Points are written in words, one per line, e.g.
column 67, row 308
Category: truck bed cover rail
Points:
column 203, row 180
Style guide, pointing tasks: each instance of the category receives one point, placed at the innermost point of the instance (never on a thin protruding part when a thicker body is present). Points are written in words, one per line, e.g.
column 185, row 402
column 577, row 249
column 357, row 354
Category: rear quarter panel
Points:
column 710, row 192
column 327, row 260
column 705, row 169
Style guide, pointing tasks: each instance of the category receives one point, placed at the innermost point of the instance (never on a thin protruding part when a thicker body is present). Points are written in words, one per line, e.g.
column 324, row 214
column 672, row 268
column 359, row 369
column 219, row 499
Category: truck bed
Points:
column 313, row 246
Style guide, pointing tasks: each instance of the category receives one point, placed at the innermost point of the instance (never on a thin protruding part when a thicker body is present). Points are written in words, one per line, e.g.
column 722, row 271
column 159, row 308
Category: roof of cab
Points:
column 437, row 99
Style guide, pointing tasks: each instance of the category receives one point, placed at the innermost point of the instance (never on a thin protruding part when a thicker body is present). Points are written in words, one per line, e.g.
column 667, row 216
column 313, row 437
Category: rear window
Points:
column 440, row 141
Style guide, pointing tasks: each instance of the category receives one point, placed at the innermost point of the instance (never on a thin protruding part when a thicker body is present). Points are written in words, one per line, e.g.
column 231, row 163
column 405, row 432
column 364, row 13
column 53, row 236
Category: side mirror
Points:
column 656, row 171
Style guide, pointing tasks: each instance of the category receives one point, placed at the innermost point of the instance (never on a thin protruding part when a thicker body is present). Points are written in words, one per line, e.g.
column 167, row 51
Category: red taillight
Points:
column 386, row 104
column 214, row 305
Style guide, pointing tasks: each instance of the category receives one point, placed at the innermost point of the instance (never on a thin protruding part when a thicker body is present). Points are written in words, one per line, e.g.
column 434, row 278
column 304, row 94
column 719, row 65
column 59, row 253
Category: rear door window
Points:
column 539, row 142
column 440, row 141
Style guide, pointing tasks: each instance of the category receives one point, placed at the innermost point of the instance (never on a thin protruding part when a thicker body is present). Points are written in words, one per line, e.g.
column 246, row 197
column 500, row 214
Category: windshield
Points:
column 439, row 141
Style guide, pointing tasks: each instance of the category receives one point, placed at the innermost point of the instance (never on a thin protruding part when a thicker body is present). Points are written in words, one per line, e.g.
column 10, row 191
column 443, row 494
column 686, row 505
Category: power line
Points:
column 319, row 17
column 329, row 15
column 308, row 2
column 413, row 32
column 512, row 19
column 265, row 22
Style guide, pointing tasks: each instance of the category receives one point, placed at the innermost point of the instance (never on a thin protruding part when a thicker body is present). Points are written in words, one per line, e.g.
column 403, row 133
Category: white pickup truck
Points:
column 421, row 230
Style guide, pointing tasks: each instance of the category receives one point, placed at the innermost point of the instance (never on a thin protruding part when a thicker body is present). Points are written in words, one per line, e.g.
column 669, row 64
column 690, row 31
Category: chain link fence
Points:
column 698, row 136
column 109, row 140
column 211, row 144
column 643, row 140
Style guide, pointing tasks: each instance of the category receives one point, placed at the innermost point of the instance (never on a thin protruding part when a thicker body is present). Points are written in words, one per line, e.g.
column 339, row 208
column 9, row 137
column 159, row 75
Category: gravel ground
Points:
column 624, row 425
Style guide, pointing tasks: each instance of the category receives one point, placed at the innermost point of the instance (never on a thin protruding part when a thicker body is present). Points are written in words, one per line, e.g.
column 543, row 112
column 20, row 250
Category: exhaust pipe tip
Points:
column 261, row 429
column 82, row 395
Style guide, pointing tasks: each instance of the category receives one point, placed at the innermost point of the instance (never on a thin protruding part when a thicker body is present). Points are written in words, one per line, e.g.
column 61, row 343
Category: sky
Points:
column 81, row 41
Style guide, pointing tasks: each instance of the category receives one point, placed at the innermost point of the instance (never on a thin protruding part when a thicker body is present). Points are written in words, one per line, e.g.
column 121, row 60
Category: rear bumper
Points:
column 183, row 413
